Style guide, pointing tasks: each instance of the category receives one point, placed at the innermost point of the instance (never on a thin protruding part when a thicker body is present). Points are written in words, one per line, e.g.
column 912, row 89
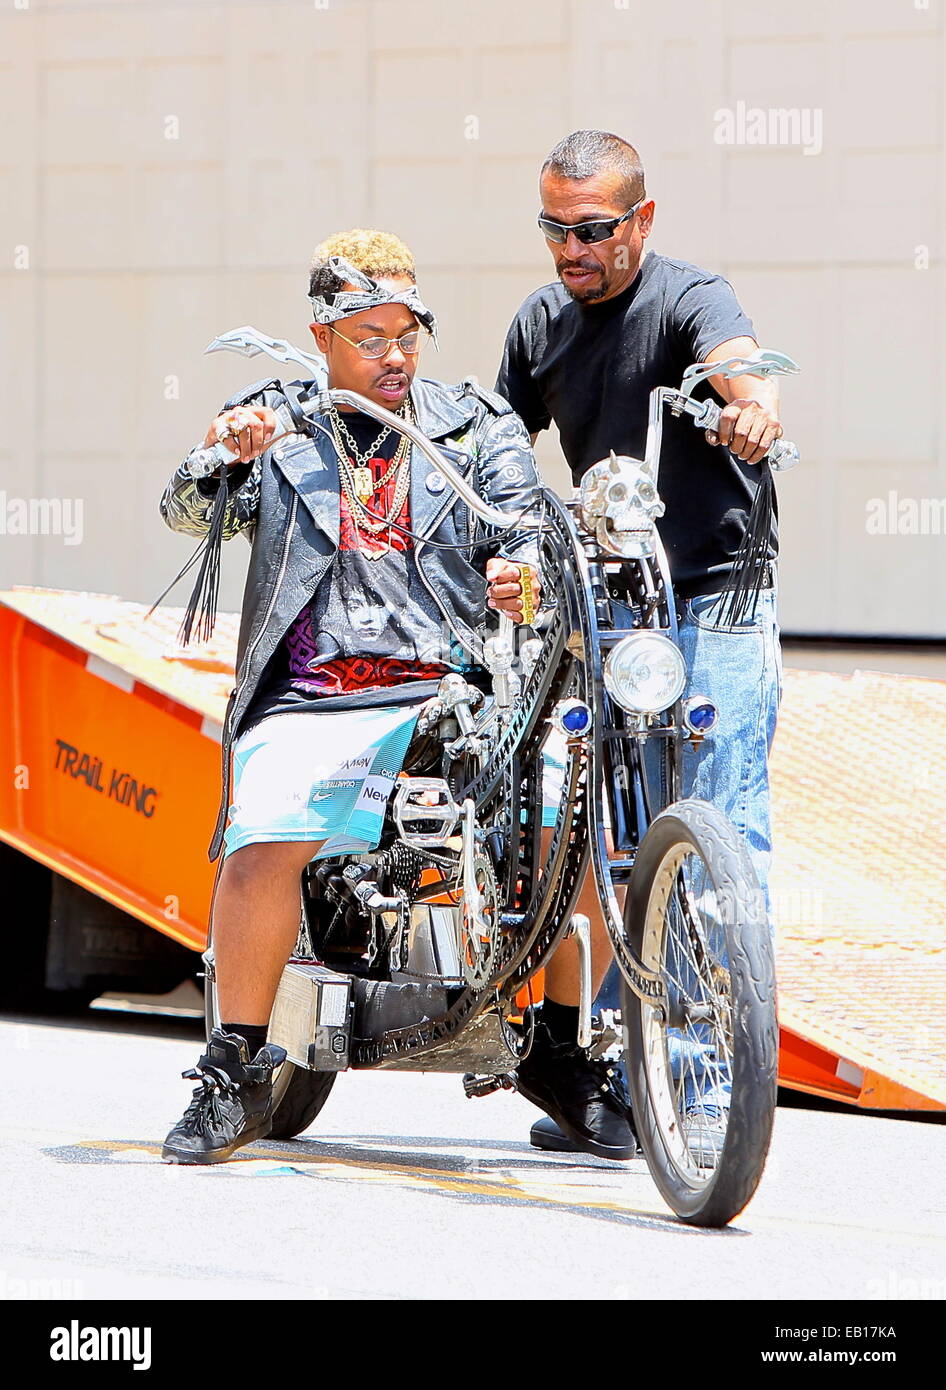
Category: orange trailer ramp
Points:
column 112, row 734
column 110, row 741
column 859, row 887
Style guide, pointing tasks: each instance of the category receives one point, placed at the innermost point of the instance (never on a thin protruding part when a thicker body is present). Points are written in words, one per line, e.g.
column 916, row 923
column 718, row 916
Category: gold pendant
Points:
column 364, row 486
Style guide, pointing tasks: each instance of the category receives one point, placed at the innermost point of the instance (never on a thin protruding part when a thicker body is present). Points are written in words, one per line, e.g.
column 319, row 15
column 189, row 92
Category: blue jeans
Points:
column 740, row 670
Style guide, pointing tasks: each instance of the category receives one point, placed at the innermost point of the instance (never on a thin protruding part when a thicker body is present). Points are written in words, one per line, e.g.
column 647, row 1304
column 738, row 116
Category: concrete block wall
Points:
column 166, row 170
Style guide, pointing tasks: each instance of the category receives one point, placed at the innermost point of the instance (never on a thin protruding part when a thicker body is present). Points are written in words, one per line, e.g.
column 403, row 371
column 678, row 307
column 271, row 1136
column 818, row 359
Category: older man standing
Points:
column 586, row 351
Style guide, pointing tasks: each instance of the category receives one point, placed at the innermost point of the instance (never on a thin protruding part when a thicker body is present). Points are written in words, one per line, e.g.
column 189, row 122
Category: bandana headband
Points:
column 341, row 304
column 326, row 308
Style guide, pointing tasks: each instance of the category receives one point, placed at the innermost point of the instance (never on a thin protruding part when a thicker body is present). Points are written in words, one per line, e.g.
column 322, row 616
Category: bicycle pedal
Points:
column 425, row 812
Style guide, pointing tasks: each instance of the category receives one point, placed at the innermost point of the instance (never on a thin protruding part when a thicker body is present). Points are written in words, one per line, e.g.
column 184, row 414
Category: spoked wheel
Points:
column 702, row 1068
column 298, row 1094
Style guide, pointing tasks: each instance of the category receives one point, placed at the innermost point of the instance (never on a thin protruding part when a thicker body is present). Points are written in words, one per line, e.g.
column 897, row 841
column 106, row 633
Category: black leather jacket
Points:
column 286, row 503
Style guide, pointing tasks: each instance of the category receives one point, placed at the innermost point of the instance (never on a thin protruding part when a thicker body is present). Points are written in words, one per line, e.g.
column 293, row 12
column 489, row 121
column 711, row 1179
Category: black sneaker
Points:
column 585, row 1098
column 232, row 1106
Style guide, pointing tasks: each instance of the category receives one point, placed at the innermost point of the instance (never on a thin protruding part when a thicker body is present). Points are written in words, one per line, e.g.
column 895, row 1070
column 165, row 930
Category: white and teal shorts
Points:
column 303, row 775
column 554, row 762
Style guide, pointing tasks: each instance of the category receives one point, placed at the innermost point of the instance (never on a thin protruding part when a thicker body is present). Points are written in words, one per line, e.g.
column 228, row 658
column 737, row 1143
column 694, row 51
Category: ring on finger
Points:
column 527, row 594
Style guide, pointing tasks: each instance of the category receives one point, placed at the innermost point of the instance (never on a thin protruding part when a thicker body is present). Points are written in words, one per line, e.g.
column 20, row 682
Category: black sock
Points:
column 254, row 1033
column 561, row 1020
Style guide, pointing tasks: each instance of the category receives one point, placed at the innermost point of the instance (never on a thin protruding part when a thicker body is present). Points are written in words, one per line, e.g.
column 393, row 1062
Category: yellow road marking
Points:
column 566, row 1195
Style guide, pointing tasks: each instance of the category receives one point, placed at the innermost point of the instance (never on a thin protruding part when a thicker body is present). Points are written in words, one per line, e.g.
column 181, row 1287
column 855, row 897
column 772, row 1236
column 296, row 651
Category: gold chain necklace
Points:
column 361, row 470
column 349, row 478
column 360, row 477
column 360, row 514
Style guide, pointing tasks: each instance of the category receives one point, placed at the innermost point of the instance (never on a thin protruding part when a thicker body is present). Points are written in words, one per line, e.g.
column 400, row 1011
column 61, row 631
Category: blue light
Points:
column 701, row 717
column 576, row 718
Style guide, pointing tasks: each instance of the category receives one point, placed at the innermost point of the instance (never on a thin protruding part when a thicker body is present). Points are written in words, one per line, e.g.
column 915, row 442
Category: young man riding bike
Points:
column 351, row 616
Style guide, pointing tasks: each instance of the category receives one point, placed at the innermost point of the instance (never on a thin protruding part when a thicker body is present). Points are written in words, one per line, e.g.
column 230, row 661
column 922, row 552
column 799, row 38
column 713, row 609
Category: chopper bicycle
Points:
column 419, row 955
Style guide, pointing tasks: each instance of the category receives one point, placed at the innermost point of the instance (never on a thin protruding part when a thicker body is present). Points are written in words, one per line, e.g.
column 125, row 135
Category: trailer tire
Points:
column 28, row 891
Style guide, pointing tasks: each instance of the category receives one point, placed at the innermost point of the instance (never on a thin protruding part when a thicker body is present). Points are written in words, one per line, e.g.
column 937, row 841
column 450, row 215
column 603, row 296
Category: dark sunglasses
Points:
column 586, row 232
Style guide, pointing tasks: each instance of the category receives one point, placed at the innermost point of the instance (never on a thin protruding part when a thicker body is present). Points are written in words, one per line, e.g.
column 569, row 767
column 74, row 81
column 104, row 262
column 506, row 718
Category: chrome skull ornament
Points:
column 619, row 504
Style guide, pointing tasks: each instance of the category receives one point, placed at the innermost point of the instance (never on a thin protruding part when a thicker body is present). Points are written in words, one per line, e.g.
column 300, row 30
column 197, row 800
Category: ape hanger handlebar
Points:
column 705, row 414
column 763, row 362
column 493, row 516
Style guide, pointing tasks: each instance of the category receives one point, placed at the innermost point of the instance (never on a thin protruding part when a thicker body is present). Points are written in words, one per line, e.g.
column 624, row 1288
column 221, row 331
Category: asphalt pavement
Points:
column 405, row 1189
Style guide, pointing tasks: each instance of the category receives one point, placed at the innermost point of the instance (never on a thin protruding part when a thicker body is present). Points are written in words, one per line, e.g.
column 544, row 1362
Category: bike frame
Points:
column 611, row 774
column 607, row 581
column 625, row 790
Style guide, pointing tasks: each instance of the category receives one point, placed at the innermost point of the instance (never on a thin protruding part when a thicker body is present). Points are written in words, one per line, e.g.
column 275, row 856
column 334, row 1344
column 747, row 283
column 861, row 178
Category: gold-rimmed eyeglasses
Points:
column 409, row 343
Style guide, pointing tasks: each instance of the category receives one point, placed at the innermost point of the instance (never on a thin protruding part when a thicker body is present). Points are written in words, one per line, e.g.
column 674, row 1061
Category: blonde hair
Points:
column 381, row 255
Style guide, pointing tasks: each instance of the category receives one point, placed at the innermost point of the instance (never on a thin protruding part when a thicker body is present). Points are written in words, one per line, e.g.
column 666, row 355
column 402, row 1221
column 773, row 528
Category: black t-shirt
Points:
column 591, row 368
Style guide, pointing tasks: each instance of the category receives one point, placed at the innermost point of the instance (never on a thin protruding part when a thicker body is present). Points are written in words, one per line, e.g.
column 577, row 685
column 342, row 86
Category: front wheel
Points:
column 702, row 1068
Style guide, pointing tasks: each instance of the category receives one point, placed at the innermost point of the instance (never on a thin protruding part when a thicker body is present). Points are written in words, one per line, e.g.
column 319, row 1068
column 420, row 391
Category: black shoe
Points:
column 232, row 1106
column 585, row 1098
column 545, row 1134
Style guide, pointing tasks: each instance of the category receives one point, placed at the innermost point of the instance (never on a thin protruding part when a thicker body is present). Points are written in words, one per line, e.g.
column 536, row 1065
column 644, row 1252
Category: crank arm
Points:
column 471, row 892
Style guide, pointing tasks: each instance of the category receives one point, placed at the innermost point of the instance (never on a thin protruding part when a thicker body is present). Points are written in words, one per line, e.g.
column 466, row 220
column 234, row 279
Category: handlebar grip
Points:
column 200, row 463
column 783, row 454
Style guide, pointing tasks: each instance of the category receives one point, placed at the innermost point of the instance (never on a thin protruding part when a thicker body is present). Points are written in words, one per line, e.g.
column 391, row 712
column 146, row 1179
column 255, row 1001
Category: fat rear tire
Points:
column 299, row 1094
column 302, row 1100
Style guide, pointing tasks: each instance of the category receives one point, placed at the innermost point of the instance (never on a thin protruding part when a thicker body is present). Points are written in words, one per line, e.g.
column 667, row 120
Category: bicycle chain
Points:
column 521, row 953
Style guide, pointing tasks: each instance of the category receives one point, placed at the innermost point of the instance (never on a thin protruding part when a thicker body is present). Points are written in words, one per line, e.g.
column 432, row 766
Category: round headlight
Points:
column 645, row 673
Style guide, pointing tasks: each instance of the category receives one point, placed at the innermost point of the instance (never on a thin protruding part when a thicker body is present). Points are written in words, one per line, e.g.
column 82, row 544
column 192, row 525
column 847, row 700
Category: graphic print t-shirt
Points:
column 371, row 625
